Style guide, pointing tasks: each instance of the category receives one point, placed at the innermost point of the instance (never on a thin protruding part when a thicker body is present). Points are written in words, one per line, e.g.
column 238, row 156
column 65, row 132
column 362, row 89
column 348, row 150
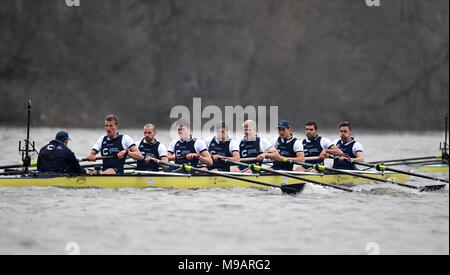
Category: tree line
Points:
column 380, row 67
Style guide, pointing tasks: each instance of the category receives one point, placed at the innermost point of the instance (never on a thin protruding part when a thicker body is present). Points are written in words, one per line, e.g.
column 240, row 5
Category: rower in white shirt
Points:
column 151, row 149
column 221, row 146
column 288, row 147
column 115, row 146
column 351, row 149
column 187, row 149
column 317, row 146
column 255, row 148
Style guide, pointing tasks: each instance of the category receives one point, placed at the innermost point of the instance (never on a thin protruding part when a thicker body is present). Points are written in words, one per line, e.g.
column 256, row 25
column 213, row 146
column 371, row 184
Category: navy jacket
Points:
column 57, row 158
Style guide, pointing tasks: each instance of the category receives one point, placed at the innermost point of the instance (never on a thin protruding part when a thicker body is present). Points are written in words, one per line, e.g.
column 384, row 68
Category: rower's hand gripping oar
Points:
column 97, row 158
column 322, row 168
column 288, row 189
column 381, row 167
column 277, row 172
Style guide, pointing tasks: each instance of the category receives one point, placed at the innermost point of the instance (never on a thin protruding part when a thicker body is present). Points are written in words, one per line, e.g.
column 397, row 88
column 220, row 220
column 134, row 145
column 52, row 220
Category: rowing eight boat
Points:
column 143, row 179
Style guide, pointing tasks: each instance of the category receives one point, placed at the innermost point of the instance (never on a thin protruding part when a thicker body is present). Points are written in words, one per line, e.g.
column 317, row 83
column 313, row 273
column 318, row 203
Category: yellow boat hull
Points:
column 160, row 180
column 435, row 168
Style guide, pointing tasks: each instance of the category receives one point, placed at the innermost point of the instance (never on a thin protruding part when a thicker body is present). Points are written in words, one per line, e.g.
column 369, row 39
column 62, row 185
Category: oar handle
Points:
column 306, row 158
column 313, row 158
column 173, row 157
column 97, row 158
column 245, row 159
column 255, row 159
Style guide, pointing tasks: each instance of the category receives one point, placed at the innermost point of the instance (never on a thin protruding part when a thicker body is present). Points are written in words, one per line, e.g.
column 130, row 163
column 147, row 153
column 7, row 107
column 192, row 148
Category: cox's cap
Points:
column 62, row 136
column 284, row 124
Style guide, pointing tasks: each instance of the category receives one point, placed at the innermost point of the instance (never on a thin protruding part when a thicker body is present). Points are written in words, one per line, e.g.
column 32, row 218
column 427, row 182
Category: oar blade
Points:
column 431, row 188
column 292, row 188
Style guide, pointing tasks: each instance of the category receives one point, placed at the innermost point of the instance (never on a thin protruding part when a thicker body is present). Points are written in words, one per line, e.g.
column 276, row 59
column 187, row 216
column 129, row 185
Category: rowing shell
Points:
column 143, row 179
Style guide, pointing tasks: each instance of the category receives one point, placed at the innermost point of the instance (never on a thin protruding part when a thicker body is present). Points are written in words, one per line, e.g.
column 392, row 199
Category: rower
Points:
column 351, row 149
column 288, row 147
column 56, row 157
column 317, row 146
column 151, row 149
column 188, row 150
column 221, row 146
column 254, row 147
column 116, row 146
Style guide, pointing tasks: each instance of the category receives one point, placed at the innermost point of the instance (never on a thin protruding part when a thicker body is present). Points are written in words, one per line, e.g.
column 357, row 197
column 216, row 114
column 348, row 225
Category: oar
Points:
column 255, row 159
column 411, row 162
column 319, row 167
column 97, row 158
column 381, row 167
column 407, row 159
column 289, row 189
column 97, row 164
column 277, row 172
column 33, row 164
column 11, row 166
column 9, row 173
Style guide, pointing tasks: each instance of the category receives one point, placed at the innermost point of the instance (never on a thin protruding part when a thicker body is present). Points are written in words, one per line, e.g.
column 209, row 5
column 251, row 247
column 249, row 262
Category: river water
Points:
column 386, row 219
